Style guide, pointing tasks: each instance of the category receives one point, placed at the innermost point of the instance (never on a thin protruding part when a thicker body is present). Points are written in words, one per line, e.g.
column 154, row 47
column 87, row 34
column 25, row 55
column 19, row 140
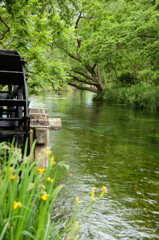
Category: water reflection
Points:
column 112, row 146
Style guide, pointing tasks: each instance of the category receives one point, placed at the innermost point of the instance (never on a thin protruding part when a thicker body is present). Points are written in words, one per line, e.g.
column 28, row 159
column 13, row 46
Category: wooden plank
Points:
column 4, row 132
column 4, row 92
column 10, row 62
column 38, row 110
column 38, row 114
column 39, row 120
column 12, row 102
column 12, row 119
column 6, row 111
column 11, row 78
column 39, row 126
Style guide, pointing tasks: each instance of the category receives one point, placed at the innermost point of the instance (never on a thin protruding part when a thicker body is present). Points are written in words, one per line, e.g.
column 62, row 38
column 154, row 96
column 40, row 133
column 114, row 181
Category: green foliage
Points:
column 127, row 79
column 121, row 36
column 138, row 96
column 118, row 35
column 27, row 196
column 33, row 27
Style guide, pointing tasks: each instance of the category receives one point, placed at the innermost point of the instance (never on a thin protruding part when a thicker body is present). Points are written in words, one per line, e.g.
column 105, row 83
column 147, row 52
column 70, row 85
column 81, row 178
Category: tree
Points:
column 88, row 43
column 32, row 27
column 84, row 73
column 112, row 38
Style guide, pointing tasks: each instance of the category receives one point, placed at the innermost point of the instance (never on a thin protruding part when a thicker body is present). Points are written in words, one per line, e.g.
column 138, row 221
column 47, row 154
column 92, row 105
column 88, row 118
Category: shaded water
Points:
column 113, row 146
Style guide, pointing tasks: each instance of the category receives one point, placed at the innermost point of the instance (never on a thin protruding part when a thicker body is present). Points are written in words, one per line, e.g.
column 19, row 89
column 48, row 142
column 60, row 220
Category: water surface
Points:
column 107, row 145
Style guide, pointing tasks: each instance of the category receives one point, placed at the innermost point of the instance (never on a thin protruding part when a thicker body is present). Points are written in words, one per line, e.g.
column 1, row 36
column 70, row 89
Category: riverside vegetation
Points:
column 137, row 96
column 27, row 197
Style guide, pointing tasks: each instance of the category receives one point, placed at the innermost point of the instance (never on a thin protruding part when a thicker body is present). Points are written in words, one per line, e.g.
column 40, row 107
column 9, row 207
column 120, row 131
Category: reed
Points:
column 27, row 196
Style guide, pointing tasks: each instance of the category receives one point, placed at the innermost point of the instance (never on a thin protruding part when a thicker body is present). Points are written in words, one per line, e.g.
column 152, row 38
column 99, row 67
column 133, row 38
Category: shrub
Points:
column 127, row 79
column 137, row 96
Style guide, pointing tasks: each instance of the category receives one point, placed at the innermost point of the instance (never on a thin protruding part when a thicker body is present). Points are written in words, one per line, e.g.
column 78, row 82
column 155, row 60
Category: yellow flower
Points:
column 12, row 177
column 11, row 170
column 77, row 200
column 39, row 154
column 44, row 197
column 53, row 159
column 48, row 152
column 49, row 179
column 17, row 204
column 92, row 196
column 41, row 170
column 104, row 189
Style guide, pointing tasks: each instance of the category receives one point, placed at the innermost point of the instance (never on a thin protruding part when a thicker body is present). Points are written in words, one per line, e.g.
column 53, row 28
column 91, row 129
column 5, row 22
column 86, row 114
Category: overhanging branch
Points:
column 95, row 64
column 148, row 36
column 84, row 75
column 79, row 16
column 83, row 88
column 72, row 56
column 83, row 81
column 7, row 30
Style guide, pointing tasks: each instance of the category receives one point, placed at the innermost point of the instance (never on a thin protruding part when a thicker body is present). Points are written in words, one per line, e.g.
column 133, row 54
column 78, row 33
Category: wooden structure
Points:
column 16, row 119
column 40, row 126
column 14, row 105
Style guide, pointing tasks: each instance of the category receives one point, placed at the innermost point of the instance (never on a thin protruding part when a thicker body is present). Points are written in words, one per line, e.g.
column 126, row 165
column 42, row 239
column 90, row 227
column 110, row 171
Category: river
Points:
column 112, row 146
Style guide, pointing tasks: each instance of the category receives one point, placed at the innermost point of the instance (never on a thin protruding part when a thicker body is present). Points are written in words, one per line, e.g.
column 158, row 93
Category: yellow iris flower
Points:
column 92, row 196
column 44, row 197
column 53, row 159
column 12, row 177
column 41, row 170
column 104, row 189
column 77, row 200
column 49, row 179
column 11, row 170
column 17, row 204
column 48, row 152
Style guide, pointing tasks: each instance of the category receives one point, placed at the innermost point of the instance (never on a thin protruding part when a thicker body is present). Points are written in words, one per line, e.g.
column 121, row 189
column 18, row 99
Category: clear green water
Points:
column 113, row 146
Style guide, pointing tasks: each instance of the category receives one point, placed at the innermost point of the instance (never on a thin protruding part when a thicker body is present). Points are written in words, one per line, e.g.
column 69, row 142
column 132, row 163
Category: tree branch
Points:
column 148, row 36
column 94, row 66
column 7, row 30
column 83, row 88
column 78, row 47
column 79, row 17
column 142, row 36
column 72, row 56
column 84, row 75
column 9, row 43
column 88, row 17
column 83, row 81
column 98, row 72
column 90, row 70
